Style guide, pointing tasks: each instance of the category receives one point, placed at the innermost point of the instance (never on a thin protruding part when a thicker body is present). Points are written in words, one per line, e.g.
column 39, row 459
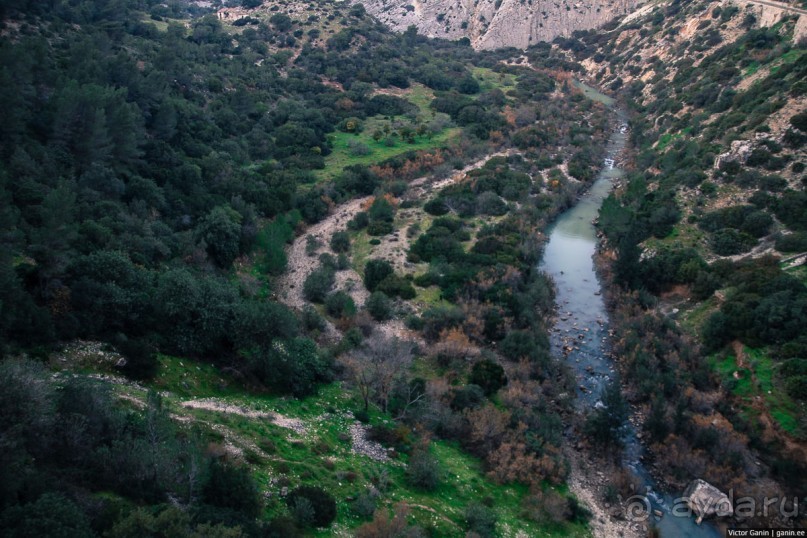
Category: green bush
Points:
column 231, row 486
column 340, row 242
column 375, row 271
column 321, row 503
column 488, row 375
column 340, row 305
column 728, row 242
column 359, row 222
column 796, row 387
column 423, row 470
column 480, row 520
column 396, row 286
column 379, row 227
column 795, row 242
column 318, row 284
column 379, row 306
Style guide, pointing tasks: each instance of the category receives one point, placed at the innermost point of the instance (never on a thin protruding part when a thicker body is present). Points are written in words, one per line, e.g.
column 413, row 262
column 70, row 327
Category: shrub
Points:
column 436, row 207
column 394, row 285
column 323, row 506
column 141, row 357
column 359, row 222
column 488, row 375
column 799, row 121
column 379, row 227
column 375, row 271
column 312, row 321
column 489, row 203
column 728, row 241
column 230, row 486
column 480, row 520
column 467, row 397
column 795, row 242
column 423, row 470
column 358, row 149
column 379, row 306
column 51, row 515
column 340, row 242
column 340, row 305
column 318, row 284
column 365, row 503
column 796, row 387
column 294, row 366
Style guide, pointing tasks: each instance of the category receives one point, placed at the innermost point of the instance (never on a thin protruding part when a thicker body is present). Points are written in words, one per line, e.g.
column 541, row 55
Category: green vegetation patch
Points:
column 350, row 149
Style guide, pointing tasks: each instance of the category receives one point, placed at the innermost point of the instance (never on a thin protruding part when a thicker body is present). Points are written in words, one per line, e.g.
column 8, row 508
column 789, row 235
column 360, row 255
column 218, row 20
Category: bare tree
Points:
column 377, row 365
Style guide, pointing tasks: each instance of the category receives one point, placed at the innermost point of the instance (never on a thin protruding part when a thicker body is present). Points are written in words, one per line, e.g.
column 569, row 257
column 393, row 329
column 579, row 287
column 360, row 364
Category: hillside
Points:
column 272, row 269
column 709, row 231
column 492, row 24
column 272, row 273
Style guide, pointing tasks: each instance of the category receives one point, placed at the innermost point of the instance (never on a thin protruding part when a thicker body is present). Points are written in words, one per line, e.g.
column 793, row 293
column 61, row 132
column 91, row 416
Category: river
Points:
column 581, row 329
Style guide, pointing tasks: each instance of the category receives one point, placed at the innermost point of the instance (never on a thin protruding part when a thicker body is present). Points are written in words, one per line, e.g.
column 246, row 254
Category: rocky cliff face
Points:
column 494, row 24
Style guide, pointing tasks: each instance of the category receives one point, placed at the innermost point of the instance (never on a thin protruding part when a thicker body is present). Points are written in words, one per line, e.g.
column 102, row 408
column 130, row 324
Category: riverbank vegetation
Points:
column 159, row 165
column 706, row 311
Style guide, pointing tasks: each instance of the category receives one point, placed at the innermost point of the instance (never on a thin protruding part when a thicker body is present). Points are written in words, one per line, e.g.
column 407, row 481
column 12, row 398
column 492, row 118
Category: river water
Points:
column 581, row 329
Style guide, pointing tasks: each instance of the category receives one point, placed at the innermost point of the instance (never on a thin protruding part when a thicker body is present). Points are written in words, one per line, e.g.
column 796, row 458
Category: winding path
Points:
column 300, row 264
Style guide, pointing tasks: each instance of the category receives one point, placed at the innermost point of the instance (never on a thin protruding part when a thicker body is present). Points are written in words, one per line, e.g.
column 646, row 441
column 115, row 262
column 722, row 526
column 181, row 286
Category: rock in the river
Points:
column 705, row 500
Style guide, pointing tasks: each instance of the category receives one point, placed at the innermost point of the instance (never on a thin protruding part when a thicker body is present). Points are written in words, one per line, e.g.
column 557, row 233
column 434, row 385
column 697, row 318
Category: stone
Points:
column 705, row 500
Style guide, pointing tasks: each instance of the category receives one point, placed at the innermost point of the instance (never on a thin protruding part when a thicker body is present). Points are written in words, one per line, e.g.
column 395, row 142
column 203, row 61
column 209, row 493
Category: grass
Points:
column 360, row 250
column 279, row 457
column 692, row 320
column 800, row 272
column 421, row 96
column 667, row 138
column 490, row 79
column 342, row 156
column 758, row 382
column 751, row 69
column 191, row 379
column 161, row 25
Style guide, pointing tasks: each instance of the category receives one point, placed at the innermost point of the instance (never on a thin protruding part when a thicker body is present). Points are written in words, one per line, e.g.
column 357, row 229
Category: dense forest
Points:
column 157, row 162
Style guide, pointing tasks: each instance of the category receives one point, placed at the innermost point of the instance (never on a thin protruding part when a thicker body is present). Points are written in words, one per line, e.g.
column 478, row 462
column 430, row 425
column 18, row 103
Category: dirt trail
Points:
column 587, row 485
column 218, row 406
column 300, row 264
column 771, row 429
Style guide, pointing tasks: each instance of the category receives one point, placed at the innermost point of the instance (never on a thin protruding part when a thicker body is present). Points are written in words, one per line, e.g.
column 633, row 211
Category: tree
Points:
column 488, row 375
column 322, row 504
column 423, row 470
column 375, row 271
column 378, row 365
column 379, row 306
column 51, row 516
column 340, row 242
column 605, row 425
column 221, row 232
column 231, row 486
column 318, row 284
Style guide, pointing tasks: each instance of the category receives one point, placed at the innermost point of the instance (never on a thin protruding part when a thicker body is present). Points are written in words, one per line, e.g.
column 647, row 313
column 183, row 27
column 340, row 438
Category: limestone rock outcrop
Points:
column 491, row 24
column 705, row 500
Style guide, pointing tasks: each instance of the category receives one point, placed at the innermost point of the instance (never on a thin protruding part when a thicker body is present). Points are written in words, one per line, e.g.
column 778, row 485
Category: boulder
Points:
column 705, row 500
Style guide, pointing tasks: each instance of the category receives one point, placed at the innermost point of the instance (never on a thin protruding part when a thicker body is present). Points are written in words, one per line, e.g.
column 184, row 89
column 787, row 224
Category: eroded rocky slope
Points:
column 492, row 24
